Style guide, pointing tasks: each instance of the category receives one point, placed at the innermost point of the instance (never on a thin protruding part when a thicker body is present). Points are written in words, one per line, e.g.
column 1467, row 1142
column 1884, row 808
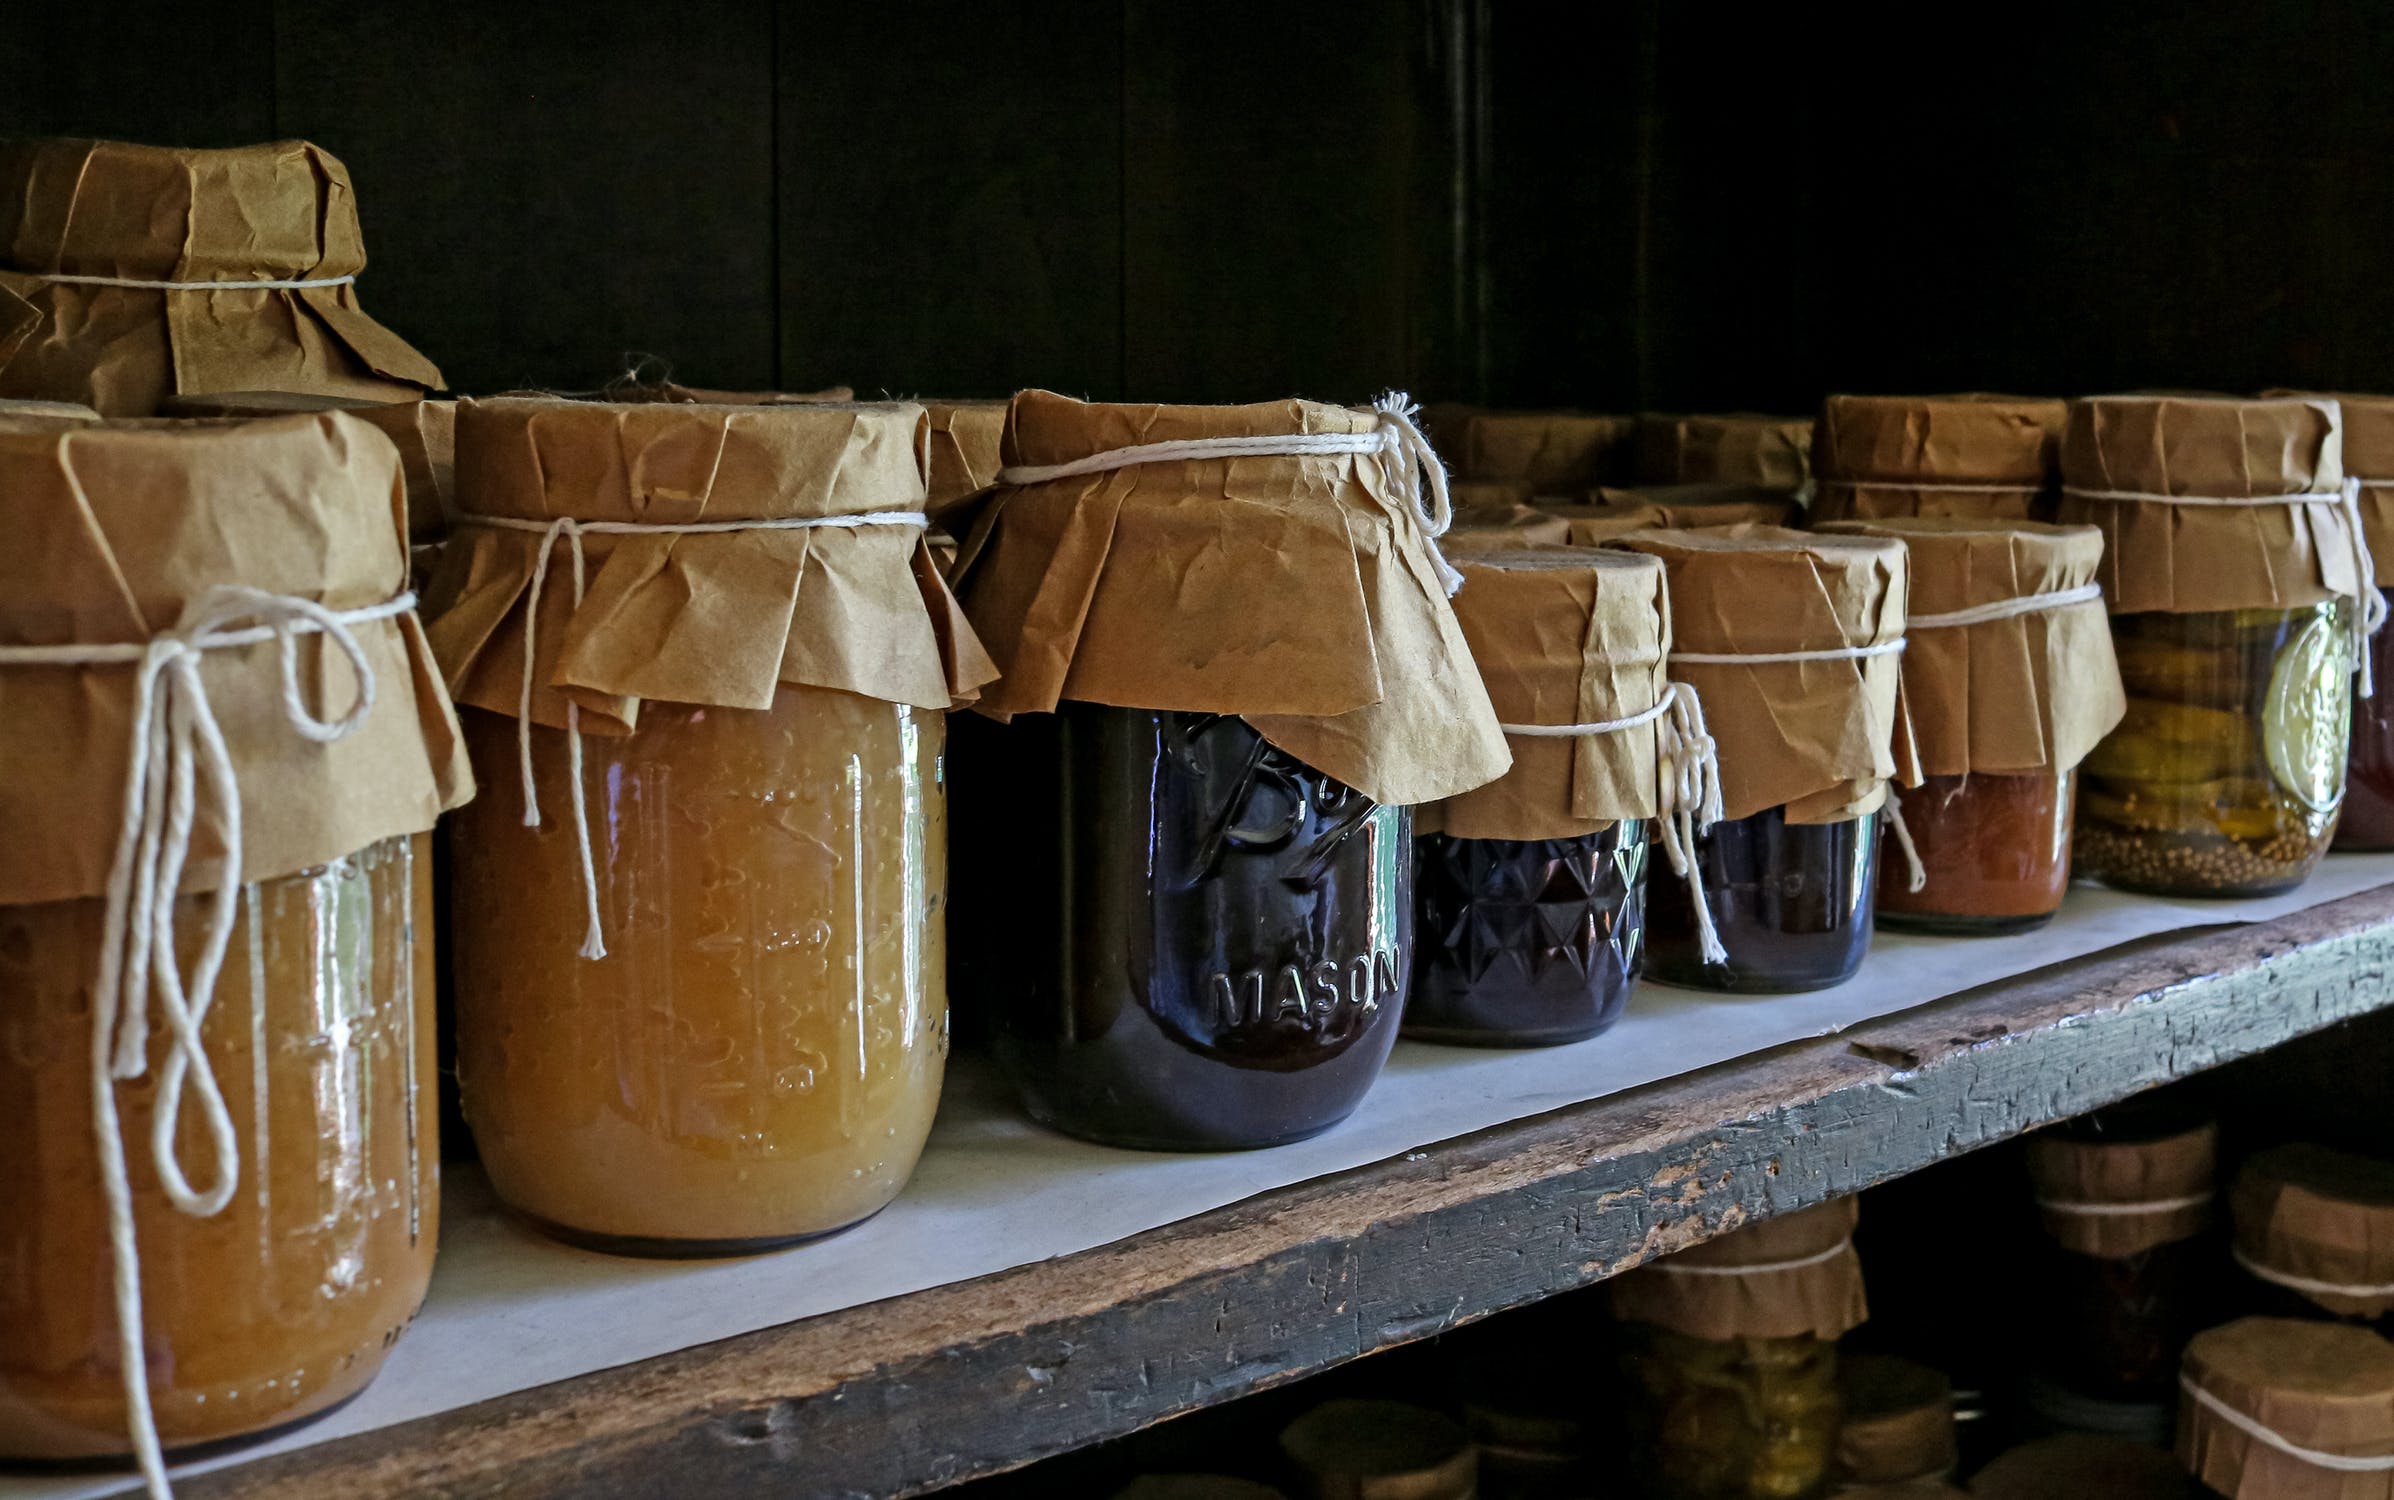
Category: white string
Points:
column 1417, row 472
column 1687, row 768
column 1915, row 873
column 175, row 744
column 1834, row 653
column 594, row 944
column 2006, row 609
column 2079, row 1209
column 138, row 284
column 2368, row 619
column 2268, row 1437
column 1759, row 1268
column 2308, row 1284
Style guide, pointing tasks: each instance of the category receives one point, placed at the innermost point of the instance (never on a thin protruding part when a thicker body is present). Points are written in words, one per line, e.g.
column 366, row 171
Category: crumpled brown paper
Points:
column 1820, row 738
column 2321, row 1214
column 2321, row 1386
column 1772, row 453
column 1549, row 453
column 2107, row 1174
column 280, row 212
column 1708, row 503
column 1562, row 637
column 425, row 432
column 113, row 529
column 1296, row 592
column 2369, row 457
column 1823, row 1300
column 1876, row 457
column 1899, row 1425
column 55, row 411
column 2187, row 559
column 1481, row 525
column 2034, row 692
column 717, row 618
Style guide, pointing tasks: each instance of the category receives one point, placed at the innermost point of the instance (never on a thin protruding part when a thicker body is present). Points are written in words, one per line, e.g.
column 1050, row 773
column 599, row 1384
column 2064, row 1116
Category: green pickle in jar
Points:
column 2226, row 776
column 1736, row 1418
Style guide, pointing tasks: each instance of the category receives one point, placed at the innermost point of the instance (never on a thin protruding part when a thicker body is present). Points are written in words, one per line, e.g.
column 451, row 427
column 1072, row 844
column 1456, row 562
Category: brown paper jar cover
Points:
column 424, row 430
column 1823, row 1300
column 2083, row 1466
column 279, row 212
column 1972, row 455
column 2034, row 692
column 1702, row 504
column 1772, row 453
column 1484, row 524
column 1298, row 593
column 2310, row 1211
column 718, row 618
column 2187, row 559
column 1481, row 496
column 967, row 438
column 1351, row 1449
column 114, row 528
column 1898, row 1422
column 2322, row 1386
column 2369, row 458
column 54, row 411
column 1550, row 452
column 1571, row 636
column 2108, row 1174
column 1819, row 738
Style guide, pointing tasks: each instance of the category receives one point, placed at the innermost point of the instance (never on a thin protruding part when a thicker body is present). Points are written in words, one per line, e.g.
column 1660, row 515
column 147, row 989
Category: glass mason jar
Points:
column 2226, row 776
column 758, row 1057
column 1996, row 850
column 1732, row 1419
column 282, row 1305
column 2368, row 821
column 1205, row 942
column 1526, row 942
column 1793, row 903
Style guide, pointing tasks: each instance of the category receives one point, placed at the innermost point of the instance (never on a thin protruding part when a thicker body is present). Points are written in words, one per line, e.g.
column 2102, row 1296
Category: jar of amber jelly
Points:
column 1184, row 859
column 1792, row 642
column 2008, row 682
column 2238, row 576
column 701, row 1003
column 281, row 1177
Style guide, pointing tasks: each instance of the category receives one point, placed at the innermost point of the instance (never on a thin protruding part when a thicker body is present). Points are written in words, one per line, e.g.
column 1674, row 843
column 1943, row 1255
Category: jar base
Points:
column 1942, row 924
column 654, row 1247
column 1128, row 1140
column 180, row 1453
column 2215, row 893
column 1724, row 981
column 1501, row 1040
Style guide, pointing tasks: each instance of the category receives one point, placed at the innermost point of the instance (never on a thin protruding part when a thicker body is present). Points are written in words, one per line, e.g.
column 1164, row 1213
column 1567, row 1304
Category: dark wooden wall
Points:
column 1635, row 203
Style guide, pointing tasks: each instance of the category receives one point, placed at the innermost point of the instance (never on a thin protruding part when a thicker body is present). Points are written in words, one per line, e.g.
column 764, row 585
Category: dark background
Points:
column 1634, row 204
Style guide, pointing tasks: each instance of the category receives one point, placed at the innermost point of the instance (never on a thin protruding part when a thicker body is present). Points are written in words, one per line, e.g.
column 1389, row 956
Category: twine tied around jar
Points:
column 2309, row 1285
column 138, row 284
column 1416, row 469
column 2271, row 1438
column 594, row 944
column 176, row 751
column 1671, row 1265
column 2369, row 614
column 1687, row 768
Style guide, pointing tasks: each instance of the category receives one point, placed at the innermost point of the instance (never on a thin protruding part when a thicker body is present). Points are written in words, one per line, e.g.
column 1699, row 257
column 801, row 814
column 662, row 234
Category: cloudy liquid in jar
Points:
column 758, row 1057
column 283, row 1304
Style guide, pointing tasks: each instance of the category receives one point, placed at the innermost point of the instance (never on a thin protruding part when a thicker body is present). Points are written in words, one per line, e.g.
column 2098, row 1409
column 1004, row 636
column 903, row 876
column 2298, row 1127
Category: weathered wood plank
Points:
column 902, row 1396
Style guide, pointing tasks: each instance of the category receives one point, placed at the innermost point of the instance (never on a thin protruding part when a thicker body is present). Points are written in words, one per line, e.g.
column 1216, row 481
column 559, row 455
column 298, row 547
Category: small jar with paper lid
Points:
column 2315, row 1233
column 1732, row 1358
column 222, row 745
column 1185, row 857
column 1748, row 448
column 1898, row 1427
column 1530, row 892
column 105, row 294
column 1378, row 1450
column 2234, row 566
column 1532, row 455
column 2287, row 1409
column 2367, row 822
column 2125, row 1196
column 1484, row 520
column 706, row 663
column 1969, row 457
column 1701, row 503
column 1791, row 642
column 2008, row 683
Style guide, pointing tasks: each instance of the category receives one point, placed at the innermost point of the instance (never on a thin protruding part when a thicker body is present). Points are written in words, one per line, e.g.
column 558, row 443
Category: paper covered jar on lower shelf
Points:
column 701, row 999
column 1184, row 857
column 222, row 743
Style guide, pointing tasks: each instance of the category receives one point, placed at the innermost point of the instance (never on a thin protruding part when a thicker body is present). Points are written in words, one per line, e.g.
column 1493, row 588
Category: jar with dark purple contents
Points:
column 1794, row 904
column 2367, row 821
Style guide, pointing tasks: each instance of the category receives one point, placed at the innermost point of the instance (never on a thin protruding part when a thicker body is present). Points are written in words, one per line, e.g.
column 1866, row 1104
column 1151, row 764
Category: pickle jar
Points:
column 267, row 1274
column 1185, row 862
column 1530, row 892
column 1732, row 1367
column 701, row 1002
column 2231, row 570
column 2367, row 822
column 2008, row 682
column 1791, row 642
column 2314, row 1234
column 1966, row 457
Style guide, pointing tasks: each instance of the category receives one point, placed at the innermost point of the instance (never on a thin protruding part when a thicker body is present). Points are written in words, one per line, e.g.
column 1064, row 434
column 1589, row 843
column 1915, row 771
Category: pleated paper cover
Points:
column 719, row 618
column 1823, row 1300
column 113, row 528
column 2323, row 1215
column 2034, row 692
column 1819, row 738
column 1296, row 592
column 966, row 442
column 1549, row 453
column 2188, row 559
column 1969, row 456
column 2369, row 457
column 1703, row 503
column 1562, row 637
column 2089, row 1191
column 2321, row 1386
column 280, row 212
column 1725, row 448
column 425, row 432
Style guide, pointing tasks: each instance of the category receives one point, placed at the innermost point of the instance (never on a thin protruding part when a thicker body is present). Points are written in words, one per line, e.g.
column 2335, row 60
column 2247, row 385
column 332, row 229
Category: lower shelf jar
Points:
column 1794, row 904
column 1734, row 1418
column 1994, row 851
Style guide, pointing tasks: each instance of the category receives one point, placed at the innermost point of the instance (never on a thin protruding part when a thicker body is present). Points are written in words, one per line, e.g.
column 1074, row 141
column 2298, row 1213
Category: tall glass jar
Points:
column 2226, row 776
column 1793, row 903
column 1994, row 850
column 1733, row 1418
column 758, row 1057
column 2367, row 824
column 283, row 1304
column 1199, row 943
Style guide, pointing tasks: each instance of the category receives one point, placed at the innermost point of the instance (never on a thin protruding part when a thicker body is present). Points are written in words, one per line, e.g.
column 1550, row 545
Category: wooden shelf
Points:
column 902, row 1396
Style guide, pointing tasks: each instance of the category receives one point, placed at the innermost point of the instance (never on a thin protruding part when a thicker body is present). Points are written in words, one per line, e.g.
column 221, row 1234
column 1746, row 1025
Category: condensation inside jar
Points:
column 283, row 1304
column 1995, row 851
column 1794, row 904
column 758, row 1056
